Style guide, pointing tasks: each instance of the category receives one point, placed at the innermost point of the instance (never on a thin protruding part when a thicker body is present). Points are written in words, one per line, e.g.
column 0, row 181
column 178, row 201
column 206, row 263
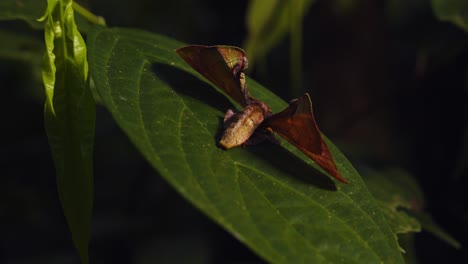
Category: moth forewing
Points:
column 224, row 66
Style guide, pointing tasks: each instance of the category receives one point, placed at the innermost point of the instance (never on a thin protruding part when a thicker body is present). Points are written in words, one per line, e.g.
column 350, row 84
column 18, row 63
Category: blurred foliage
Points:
column 402, row 203
column 455, row 11
column 268, row 22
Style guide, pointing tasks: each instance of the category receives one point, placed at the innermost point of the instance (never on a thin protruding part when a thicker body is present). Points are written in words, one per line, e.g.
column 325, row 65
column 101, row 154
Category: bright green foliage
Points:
column 69, row 118
column 455, row 11
column 270, row 197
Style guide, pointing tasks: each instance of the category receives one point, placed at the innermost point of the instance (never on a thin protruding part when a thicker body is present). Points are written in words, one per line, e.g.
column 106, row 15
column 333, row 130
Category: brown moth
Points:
column 224, row 66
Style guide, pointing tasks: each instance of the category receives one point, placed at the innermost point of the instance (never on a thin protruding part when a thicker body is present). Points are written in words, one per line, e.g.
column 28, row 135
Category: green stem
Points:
column 295, row 9
column 99, row 20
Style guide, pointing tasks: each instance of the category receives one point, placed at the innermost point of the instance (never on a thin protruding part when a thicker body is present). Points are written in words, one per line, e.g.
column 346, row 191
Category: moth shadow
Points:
column 219, row 133
column 189, row 85
column 283, row 160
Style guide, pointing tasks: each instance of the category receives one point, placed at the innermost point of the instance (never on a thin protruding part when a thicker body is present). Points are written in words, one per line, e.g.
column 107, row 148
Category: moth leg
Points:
column 254, row 139
column 270, row 135
column 273, row 139
column 229, row 114
column 260, row 136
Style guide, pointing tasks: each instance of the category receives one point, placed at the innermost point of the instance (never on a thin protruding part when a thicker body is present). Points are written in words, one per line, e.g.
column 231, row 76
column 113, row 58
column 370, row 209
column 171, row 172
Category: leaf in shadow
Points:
column 191, row 86
column 402, row 202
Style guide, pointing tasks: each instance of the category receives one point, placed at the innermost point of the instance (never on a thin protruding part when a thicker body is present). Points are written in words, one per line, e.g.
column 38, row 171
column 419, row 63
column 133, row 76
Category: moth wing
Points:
column 222, row 65
column 297, row 125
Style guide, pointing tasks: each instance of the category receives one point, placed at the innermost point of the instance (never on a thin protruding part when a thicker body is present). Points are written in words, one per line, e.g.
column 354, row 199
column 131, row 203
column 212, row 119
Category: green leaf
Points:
column 270, row 197
column 69, row 118
column 454, row 11
column 268, row 22
column 402, row 202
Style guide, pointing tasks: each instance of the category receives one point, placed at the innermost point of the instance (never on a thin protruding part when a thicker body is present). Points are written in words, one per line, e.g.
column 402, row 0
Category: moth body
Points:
column 240, row 126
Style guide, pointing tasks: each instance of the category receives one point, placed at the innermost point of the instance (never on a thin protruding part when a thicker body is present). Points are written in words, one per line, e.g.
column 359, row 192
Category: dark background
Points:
column 389, row 87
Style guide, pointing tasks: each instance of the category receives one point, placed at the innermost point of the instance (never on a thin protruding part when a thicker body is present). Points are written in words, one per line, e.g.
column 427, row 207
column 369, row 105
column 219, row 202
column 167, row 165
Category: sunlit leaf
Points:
column 69, row 118
column 270, row 197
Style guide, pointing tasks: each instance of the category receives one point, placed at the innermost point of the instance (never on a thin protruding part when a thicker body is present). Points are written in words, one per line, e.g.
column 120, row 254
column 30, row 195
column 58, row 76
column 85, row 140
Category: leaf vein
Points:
column 281, row 184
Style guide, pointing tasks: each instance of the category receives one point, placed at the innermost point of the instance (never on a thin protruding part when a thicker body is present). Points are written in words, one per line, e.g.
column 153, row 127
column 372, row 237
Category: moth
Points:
column 224, row 66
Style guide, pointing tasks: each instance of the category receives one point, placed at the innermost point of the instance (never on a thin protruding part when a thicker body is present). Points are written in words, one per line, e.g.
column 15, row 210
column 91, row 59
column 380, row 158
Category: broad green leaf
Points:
column 270, row 197
column 454, row 11
column 69, row 118
column 402, row 202
column 268, row 21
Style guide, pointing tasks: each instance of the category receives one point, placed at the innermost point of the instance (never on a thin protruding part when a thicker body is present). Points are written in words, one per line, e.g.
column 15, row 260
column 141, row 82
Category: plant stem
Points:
column 99, row 20
column 295, row 9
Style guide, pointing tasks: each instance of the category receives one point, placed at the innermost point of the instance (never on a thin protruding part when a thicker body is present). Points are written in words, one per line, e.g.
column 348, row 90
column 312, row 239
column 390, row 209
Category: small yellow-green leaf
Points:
column 69, row 118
